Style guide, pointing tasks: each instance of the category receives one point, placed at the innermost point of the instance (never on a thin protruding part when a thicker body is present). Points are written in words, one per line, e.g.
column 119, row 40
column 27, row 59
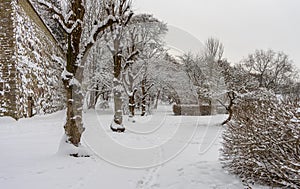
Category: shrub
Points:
column 262, row 142
column 177, row 109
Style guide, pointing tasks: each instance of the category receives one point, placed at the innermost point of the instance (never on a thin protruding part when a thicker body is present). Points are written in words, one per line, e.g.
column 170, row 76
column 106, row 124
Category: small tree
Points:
column 238, row 83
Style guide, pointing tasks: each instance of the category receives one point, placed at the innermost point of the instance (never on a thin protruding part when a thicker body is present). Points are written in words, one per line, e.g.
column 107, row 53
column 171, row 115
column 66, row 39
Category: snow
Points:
column 67, row 148
column 65, row 74
column 75, row 82
column 157, row 151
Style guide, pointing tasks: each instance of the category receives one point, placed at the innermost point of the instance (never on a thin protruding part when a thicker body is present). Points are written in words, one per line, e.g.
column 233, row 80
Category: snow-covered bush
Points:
column 262, row 142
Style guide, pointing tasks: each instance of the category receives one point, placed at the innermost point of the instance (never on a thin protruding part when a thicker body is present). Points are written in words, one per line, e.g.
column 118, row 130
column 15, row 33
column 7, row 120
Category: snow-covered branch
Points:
column 97, row 29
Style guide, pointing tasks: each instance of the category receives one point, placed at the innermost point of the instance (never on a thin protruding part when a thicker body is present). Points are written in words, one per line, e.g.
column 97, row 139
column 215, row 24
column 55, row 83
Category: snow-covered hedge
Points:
column 262, row 142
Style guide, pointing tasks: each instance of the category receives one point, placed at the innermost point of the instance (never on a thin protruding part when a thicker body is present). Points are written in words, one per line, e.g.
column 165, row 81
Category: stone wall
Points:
column 7, row 60
column 196, row 110
column 35, row 73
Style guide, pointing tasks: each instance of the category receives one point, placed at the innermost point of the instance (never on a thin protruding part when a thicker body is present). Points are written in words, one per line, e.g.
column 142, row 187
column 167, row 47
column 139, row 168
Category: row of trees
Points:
column 140, row 45
column 83, row 23
column 108, row 49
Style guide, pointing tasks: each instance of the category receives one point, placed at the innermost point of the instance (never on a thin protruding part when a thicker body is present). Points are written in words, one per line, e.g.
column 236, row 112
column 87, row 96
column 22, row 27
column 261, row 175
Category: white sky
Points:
column 242, row 25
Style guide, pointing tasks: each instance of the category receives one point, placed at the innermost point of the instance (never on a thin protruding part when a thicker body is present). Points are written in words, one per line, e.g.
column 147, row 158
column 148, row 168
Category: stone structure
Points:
column 197, row 110
column 30, row 70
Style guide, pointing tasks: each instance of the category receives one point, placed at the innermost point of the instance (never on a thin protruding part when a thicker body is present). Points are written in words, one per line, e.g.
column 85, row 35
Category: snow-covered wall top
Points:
column 29, row 69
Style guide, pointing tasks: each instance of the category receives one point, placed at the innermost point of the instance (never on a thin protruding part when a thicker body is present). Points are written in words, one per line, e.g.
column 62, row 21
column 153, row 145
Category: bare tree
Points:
column 263, row 69
column 144, row 41
column 270, row 68
column 173, row 83
column 72, row 17
column 98, row 76
column 238, row 83
column 152, row 50
column 120, row 10
column 214, row 50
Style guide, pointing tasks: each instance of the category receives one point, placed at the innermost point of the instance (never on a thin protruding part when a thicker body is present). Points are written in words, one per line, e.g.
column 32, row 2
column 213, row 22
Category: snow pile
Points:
column 65, row 148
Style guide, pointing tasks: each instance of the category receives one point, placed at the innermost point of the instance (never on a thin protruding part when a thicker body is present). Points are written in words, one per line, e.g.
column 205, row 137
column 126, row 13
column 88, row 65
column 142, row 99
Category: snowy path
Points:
column 160, row 151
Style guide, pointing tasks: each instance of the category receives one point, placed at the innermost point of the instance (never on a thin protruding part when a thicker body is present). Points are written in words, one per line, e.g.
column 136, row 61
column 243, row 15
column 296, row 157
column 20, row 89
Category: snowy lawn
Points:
column 158, row 151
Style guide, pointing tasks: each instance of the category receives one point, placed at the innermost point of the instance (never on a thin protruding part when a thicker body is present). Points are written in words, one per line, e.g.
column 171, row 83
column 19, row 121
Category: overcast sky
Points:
column 242, row 25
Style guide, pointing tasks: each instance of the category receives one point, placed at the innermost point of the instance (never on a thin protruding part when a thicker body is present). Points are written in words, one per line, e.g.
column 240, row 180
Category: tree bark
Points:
column 131, row 106
column 72, row 83
column 131, row 94
column 74, row 126
column 118, row 117
column 117, row 125
column 144, row 94
column 156, row 101
column 93, row 98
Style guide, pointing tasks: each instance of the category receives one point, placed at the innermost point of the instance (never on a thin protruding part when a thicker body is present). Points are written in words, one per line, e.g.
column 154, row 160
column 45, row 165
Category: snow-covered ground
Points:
column 158, row 151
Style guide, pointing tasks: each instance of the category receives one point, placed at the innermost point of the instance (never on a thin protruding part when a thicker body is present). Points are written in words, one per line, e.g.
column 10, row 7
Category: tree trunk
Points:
column 131, row 106
column 156, row 101
column 213, row 106
column 117, row 124
column 74, row 126
column 144, row 94
column 72, row 83
column 30, row 105
column 231, row 96
column 118, row 118
column 91, row 100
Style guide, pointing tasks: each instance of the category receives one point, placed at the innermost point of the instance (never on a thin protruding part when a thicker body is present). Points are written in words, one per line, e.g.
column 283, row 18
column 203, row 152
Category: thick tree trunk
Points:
column 117, row 124
column 118, row 118
column 74, row 126
column 72, row 83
